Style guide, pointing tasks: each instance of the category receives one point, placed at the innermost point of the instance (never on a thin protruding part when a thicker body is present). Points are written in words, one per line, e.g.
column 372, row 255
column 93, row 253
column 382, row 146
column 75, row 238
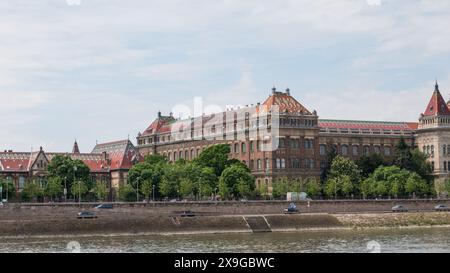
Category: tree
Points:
column 263, row 191
column 127, row 193
column 8, row 188
column 63, row 166
column 416, row 185
column 32, row 191
column 147, row 188
column 368, row 164
column 331, row 154
column 281, row 187
column 101, row 191
column 186, row 188
column 79, row 188
column 155, row 159
column 402, row 155
column 54, row 187
column 343, row 178
column 215, row 157
column 312, row 187
column 234, row 177
column 447, row 186
column 224, row 191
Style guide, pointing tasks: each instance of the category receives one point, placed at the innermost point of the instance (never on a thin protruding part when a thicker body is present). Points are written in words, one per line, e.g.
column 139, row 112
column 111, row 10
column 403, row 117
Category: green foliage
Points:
column 62, row 166
column 155, row 159
column 343, row 178
column 281, row 187
column 312, row 187
column 263, row 191
column 447, row 186
column 237, row 180
column 127, row 193
column 413, row 160
column 79, row 188
column 215, row 157
column 368, row 164
column 394, row 182
column 331, row 154
column 186, row 188
column 7, row 186
column 54, row 187
column 32, row 191
column 101, row 191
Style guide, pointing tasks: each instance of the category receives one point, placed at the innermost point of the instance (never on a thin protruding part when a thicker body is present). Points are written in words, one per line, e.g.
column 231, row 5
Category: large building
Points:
column 302, row 139
column 108, row 163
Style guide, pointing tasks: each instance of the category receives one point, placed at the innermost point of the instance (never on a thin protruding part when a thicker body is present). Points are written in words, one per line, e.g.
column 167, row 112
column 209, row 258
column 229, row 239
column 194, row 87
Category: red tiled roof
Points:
column 285, row 103
column 159, row 125
column 10, row 161
column 121, row 154
column 437, row 104
column 373, row 125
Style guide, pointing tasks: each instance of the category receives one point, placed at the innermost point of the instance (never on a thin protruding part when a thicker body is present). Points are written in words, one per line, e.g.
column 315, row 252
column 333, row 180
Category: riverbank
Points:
column 110, row 223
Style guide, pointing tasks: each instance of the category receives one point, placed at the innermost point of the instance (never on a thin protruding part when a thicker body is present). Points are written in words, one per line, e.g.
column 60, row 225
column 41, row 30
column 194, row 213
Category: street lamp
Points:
column 79, row 185
column 137, row 189
column 153, row 190
column 65, row 189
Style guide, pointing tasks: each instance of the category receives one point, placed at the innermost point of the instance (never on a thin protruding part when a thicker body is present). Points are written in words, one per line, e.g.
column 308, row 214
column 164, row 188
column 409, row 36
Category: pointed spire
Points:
column 437, row 104
column 75, row 149
column 159, row 114
column 436, row 87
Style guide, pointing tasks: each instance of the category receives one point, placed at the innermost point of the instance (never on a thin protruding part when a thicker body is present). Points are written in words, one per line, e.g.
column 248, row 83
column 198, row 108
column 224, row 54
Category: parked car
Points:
column 187, row 213
column 399, row 208
column 86, row 215
column 441, row 207
column 104, row 206
column 292, row 209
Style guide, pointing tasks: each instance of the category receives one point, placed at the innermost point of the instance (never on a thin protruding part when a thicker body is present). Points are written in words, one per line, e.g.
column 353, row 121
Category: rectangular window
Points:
column 323, row 150
column 278, row 163
column 387, row 151
column 267, row 164
column 283, row 163
column 445, row 166
column 344, row 149
column 355, row 150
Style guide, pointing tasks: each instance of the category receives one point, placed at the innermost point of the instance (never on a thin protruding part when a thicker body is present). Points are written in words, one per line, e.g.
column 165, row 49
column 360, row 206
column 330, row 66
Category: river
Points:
column 378, row 240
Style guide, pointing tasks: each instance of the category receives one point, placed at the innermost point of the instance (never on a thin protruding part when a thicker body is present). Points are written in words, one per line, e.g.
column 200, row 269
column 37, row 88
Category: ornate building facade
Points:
column 108, row 163
column 302, row 140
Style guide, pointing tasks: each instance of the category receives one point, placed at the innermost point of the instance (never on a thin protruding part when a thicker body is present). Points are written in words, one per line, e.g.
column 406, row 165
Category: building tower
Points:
column 433, row 136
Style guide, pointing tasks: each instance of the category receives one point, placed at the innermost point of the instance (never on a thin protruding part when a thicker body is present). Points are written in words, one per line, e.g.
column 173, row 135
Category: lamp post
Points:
column 153, row 192
column 137, row 189
column 65, row 189
column 79, row 185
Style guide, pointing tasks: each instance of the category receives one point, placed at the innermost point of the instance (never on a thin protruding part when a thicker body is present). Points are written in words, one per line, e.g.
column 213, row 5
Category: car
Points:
column 187, row 213
column 292, row 209
column 399, row 208
column 441, row 207
column 173, row 200
column 1, row 204
column 104, row 206
column 86, row 215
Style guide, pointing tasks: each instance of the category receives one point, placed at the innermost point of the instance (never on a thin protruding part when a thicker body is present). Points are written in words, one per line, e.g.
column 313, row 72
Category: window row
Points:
column 355, row 150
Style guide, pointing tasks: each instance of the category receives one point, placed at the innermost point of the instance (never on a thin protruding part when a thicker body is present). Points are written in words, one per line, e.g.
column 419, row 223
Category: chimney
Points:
column 288, row 92
column 159, row 114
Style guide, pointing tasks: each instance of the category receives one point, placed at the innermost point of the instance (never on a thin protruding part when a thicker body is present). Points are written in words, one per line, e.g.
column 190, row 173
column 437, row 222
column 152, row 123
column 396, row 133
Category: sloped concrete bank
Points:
column 111, row 225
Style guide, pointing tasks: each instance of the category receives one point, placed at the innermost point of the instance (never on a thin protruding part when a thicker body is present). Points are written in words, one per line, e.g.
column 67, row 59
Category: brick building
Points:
column 301, row 143
column 108, row 163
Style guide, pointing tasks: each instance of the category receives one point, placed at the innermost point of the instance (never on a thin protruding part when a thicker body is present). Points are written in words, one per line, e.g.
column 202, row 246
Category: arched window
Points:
column 355, row 150
column 192, row 154
column 366, row 150
column 448, row 149
column 243, row 148
column 186, row 155
column 432, row 150
column 267, row 163
column 180, row 155
column 387, row 151
column 376, row 149
column 259, row 166
column 169, row 157
column 252, row 163
column 236, row 148
column 344, row 150
column 428, row 150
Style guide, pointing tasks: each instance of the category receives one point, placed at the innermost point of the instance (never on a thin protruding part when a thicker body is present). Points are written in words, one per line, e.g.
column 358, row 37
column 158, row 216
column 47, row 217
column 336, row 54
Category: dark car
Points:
column 441, row 208
column 104, row 206
column 292, row 209
column 187, row 213
column 86, row 215
column 399, row 208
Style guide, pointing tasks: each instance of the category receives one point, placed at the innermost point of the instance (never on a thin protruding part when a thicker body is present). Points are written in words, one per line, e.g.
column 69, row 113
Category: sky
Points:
column 100, row 70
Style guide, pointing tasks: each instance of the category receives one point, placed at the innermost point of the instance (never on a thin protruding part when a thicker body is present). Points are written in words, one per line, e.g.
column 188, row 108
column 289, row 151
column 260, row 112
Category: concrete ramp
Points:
column 257, row 223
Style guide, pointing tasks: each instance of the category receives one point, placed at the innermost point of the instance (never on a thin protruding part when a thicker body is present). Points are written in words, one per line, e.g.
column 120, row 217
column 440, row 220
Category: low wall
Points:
column 61, row 210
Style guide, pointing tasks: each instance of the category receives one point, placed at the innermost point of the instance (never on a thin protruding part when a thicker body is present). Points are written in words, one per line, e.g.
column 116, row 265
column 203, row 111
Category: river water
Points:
column 375, row 240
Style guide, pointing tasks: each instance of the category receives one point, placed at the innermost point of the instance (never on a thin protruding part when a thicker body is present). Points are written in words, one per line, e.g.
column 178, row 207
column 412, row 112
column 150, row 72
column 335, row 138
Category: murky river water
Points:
column 384, row 240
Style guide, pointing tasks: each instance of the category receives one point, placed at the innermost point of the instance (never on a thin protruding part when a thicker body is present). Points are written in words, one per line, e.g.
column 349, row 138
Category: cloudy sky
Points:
column 99, row 70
